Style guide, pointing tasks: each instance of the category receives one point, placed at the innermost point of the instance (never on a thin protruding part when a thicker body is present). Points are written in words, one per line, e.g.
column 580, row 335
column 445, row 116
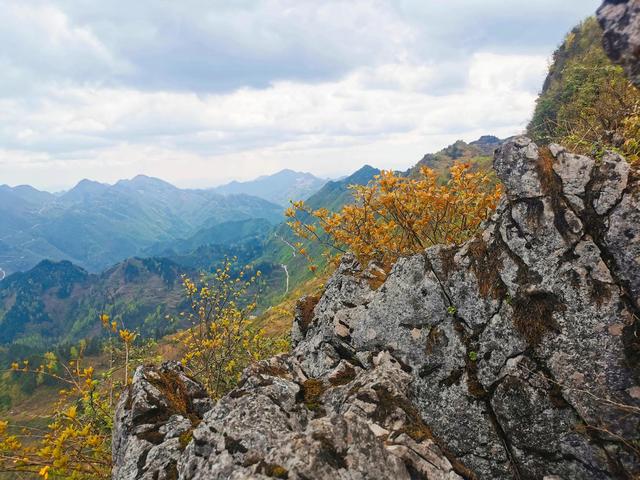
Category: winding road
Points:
column 287, row 243
column 286, row 271
column 284, row 267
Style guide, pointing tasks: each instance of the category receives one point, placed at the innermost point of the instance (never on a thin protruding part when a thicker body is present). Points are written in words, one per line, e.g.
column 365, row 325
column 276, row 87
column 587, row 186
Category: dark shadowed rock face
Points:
column 620, row 20
column 514, row 356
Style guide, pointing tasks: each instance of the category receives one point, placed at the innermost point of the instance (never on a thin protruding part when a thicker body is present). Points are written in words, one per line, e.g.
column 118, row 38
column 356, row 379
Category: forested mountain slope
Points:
column 96, row 225
column 59, row 303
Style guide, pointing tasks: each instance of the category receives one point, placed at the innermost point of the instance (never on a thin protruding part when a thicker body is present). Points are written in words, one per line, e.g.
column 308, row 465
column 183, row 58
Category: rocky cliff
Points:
column 513, row 356
column 620, row 20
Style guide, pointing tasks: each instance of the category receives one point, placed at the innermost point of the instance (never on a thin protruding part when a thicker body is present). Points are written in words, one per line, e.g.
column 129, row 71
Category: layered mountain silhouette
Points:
column 278, row 188
column 96, row 225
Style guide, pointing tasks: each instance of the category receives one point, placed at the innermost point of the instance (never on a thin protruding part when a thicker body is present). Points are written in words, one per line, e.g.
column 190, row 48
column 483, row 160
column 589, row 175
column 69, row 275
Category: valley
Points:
column 57, row 301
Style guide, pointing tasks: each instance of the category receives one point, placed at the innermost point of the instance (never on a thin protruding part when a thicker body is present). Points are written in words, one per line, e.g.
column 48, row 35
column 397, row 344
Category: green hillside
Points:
column 58, row 302
column 587, row 103
column 279, row 247
column 478, row 153
column 223, row 234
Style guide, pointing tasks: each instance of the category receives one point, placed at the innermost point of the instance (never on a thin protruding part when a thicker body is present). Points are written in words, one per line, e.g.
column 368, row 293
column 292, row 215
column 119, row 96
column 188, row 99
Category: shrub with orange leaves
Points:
column 396, row 215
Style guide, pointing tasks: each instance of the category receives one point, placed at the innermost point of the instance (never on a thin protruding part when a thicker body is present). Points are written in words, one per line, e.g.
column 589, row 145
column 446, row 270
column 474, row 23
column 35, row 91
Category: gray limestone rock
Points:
column 620, row 20
column 153, row 422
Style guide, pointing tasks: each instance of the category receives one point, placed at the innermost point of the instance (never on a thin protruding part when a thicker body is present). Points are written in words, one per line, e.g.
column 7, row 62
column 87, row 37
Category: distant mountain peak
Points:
column 278, row 188
column 477, row 152
column 364, row 171
column 487, row 140
column 85, row 184
column 145, row 181
column 85, row 188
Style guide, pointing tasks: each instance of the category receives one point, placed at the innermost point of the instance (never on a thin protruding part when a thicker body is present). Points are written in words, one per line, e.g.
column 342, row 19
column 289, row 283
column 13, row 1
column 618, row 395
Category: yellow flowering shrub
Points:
column 77, row 441
column 222, row 339
column 396, row 215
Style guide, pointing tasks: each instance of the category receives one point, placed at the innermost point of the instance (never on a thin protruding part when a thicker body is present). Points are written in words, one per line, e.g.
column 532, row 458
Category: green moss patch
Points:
column 310, row 392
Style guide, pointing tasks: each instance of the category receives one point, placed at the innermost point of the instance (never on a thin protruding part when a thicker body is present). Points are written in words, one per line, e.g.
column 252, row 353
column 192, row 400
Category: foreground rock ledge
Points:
column 512, row 356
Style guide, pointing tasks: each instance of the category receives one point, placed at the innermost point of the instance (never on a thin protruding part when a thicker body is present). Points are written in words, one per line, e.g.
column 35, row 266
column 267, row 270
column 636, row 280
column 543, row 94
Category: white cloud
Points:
column 382, row 115
column 199, row 92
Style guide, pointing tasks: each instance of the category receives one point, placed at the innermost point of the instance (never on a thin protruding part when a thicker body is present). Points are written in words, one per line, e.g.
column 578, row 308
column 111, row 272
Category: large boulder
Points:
column 515, row 355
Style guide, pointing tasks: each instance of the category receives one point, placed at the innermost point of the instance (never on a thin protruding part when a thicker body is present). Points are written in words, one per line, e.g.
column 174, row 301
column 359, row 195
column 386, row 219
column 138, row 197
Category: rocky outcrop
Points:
column 347, row 423
column 513, row 356
column 620, row 20
column 154, row 421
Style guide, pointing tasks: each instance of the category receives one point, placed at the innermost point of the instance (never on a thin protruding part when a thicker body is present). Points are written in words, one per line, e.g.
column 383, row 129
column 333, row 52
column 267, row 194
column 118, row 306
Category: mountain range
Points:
column 58, row 302
column 95, row 225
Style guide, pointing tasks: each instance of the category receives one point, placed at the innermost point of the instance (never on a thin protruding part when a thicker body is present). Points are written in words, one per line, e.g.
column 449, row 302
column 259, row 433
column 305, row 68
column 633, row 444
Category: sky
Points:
column 200, row 92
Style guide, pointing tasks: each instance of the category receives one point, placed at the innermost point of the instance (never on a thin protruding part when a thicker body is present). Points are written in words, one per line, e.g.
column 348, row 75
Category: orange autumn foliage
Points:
column 396, row 215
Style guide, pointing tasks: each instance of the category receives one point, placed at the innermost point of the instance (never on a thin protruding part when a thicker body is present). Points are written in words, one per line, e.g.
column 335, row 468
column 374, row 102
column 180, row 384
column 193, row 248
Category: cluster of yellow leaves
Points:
column 127, row 336
column 222, row 339
column 396, row 215
column 105, row 319
column 76, row 443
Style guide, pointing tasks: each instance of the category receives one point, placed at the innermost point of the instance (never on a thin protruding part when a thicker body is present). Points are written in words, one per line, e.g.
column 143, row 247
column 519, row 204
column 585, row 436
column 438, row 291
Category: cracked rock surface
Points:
column 513, row 356
column 154, row 420
column 620, row 20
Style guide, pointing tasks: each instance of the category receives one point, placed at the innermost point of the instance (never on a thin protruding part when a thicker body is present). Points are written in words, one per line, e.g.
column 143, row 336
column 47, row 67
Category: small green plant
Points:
column 451, row 310
column 473, row 356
